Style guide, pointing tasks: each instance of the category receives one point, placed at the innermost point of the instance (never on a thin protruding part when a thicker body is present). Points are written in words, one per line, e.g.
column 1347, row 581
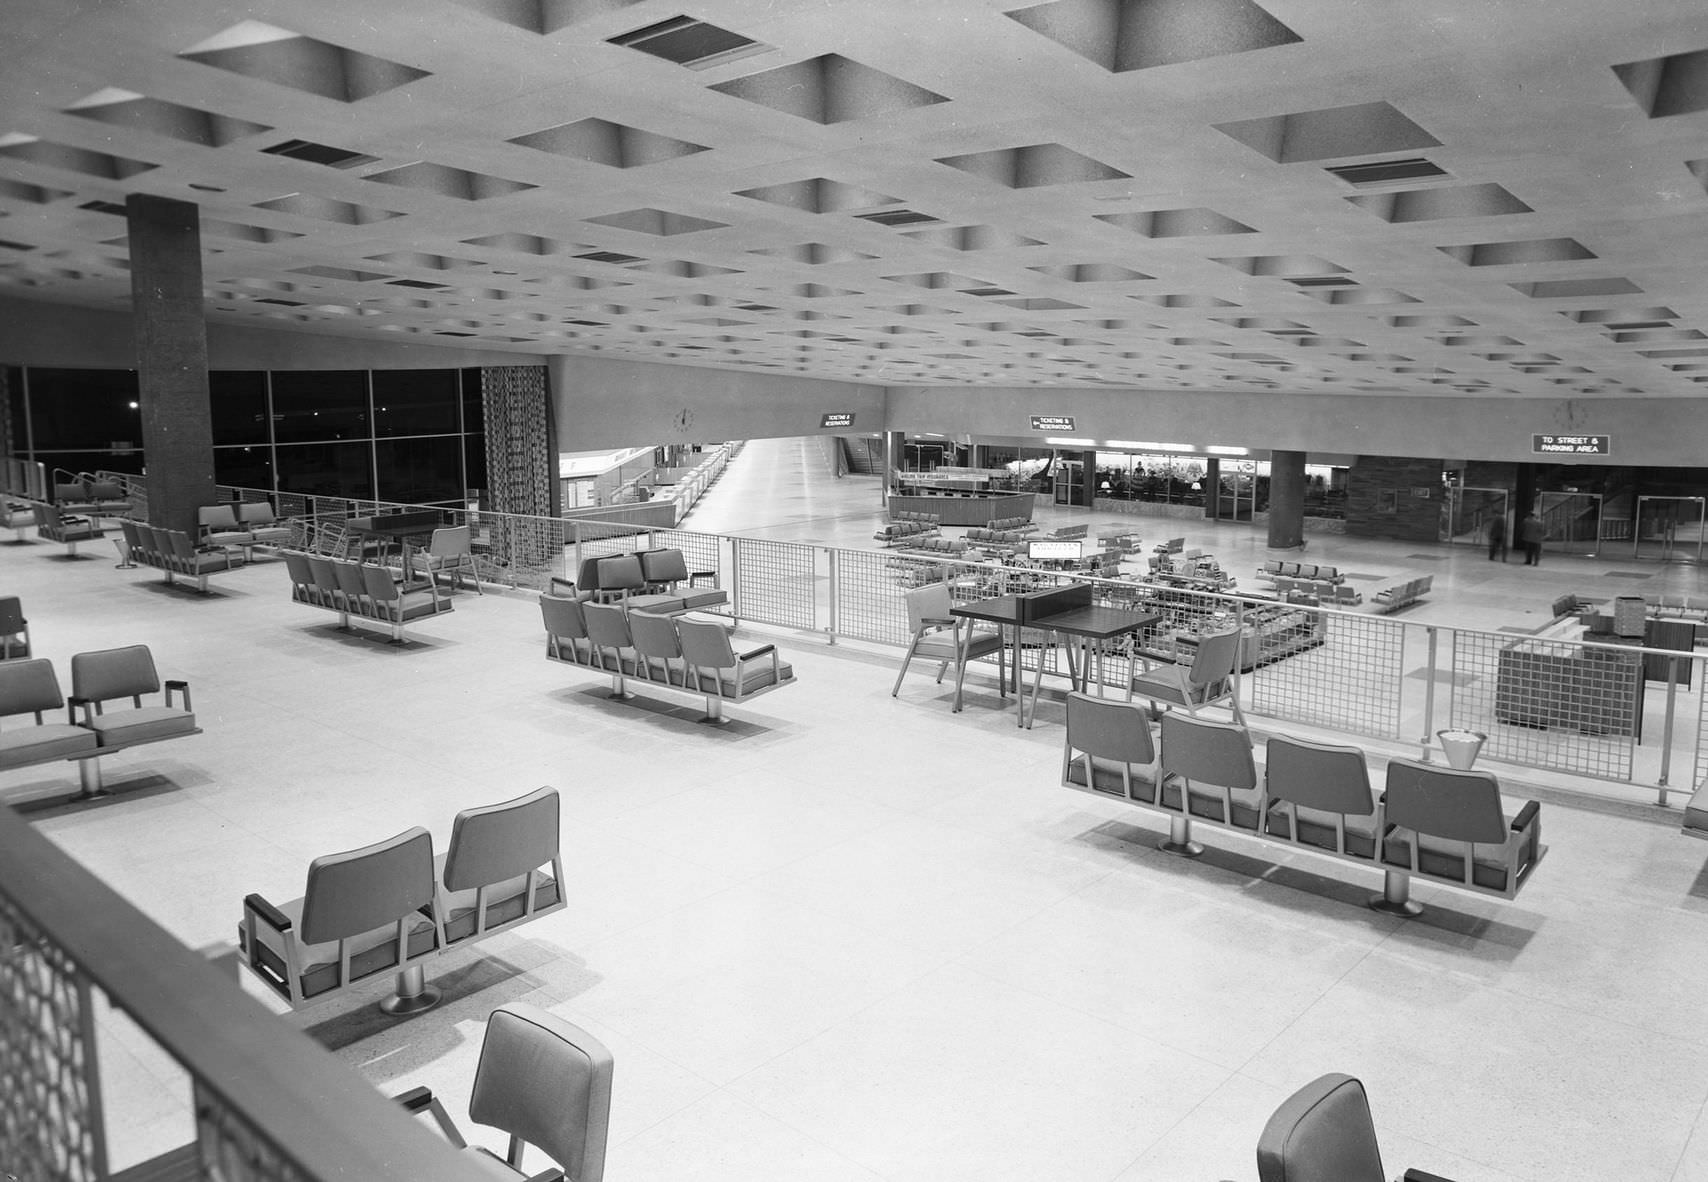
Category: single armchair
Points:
column 946, row 639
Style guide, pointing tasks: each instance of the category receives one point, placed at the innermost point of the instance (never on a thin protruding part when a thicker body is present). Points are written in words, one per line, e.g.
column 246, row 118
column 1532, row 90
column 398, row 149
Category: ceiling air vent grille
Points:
column 610, row 256
column 898, row 217
column 691, row 43
column 319, row 154
column 104, row 207
column 1383, row 172
column 1323, row 281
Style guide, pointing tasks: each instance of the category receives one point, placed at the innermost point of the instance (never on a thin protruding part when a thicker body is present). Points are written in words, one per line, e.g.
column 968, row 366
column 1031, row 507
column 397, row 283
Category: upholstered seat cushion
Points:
column 1207, row 803
column 370, row 953
column 1316, row 828
column 661, row 603
column 756, row 676
column 21, row 746
column 488, row 1163
column 709, row 597
column 1106, row 776
column 126, row 728
column 1445, row 859
column 504, row 904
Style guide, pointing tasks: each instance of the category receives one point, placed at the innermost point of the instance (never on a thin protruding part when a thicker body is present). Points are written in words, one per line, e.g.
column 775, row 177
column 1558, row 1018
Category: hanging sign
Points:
column 838, row 418
column 1576, row 445
column 1052, row 424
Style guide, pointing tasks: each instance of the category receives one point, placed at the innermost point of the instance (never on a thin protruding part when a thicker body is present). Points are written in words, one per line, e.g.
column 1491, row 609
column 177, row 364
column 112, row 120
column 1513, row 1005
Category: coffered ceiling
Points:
column 1447, row 196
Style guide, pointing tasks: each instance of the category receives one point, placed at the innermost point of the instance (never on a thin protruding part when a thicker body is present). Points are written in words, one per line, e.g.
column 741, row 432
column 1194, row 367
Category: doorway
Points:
column 1572, row 521
column 1669, row 529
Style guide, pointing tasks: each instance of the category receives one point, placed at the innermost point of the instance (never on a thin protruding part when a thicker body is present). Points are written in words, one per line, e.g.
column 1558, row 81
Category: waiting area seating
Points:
column 649, row 580
column 1172, row 546
column 1435, row 824
column 451, row 551
column 1393, row 595
column 55, row 525
column 362, row 590
column 906, row 524
column 935, row 544
column 1205, row 682
column 89, row 495
column 1273, row 569
column 659, row 651
column 1025, row 525
column 946, row 639
column 1316, row 592
column 985, row 536
column 1324, row 1133
column 173, row 553
column 14, row 629
column 542, row 1081
column 101, row 682
column 243, row 524
column 391, row 908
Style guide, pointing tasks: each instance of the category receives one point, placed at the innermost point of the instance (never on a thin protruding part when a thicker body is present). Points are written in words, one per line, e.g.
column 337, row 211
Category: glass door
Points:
column 1572, row 521
column 1469, row 512
column 1669, row 529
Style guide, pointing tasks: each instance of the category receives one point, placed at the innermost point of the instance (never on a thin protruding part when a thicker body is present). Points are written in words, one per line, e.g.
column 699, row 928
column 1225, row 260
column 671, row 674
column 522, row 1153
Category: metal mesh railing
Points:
column 1331, row 669
column 775, row 582
column 1554, row 704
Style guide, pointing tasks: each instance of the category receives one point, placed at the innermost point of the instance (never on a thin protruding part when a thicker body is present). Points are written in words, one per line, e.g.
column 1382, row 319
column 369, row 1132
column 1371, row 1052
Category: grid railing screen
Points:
column 231, row 1151
column 1548, row 703
column 50, row 1119
column 776, row 583
column 1324, row 668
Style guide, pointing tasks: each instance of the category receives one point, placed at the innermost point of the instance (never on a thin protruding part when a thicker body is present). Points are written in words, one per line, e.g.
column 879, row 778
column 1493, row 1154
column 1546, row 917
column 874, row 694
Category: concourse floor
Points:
column 850, row 937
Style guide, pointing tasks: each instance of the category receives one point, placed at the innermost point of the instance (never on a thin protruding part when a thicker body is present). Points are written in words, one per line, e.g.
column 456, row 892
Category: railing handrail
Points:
column 311, row 1108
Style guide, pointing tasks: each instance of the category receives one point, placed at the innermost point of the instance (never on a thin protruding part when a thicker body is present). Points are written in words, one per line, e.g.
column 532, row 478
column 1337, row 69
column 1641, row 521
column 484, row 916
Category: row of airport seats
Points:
column 935, row 544
column 171, row 552
column 1024, row 525
column 985, row 535
column 1317, row 591
column 246, row 524
column 1392, row 596
column 1172, row 546
column 659, row 651
column 1441, row 825
column 1324, row 1133
column 1273, row 569
column 364, row 590
column 55, row 525
column 101, row 683
column 1125, row 541
column 391, row 907
column 906, row 524
column 89, row 494
column 648, row 580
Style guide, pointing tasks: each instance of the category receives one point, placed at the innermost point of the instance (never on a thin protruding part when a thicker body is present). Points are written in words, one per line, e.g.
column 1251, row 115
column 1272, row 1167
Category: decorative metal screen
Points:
column 1549, row 703
column 1339, row 670
column 775, row 583
column 230, row 1151
column 50, row 1112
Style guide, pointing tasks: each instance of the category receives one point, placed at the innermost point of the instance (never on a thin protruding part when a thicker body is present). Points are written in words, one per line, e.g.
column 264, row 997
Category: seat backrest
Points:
column 75, row 491
column 325, row 577
column 563, row 617
column 133, row 538
column 29, row 686
column 663, row 566
column 547, row 1082
column 1321, row 1133
column 105, row 674
column 360, row 890
column 654, row 635
column 256, row 513
column 1318, row 776
column 1108, row 728
column 1445, row 802
column 1214, row 660
column 705, row 645
column 220, row 517
column 11, row 615
column 607, row 625
column 501, row 841
column 296, row 563
column 1207, row 752
column 349, row 577
column 450, row 541
column 620, row 572
column 930, row 602
column 378, row 585
column 106, row 490
column 180, row 542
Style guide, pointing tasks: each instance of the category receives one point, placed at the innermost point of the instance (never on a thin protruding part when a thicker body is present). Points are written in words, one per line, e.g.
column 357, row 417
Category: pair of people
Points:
column 1530, row 533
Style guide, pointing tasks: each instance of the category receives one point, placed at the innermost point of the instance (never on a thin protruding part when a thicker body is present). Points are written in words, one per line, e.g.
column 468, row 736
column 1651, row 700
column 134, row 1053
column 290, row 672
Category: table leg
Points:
column 963, row 637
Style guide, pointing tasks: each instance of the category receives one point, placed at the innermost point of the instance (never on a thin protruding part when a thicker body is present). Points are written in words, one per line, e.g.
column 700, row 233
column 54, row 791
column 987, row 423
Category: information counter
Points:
column 965, row 508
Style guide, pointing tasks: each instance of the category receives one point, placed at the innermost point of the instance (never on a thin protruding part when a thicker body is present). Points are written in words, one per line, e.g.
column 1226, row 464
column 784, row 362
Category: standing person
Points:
column 1530, row 533
column 1497, row 538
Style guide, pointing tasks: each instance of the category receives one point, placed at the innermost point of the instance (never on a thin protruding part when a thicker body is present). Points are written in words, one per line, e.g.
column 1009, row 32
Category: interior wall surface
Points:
column 63, row 336
column 1647, row 431
column 602, row 402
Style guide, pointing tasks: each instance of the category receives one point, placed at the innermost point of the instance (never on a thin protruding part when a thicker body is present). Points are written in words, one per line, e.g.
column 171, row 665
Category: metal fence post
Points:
column 1428, row 694
column 835, row 594
column 735, row 577
column 1666, row 734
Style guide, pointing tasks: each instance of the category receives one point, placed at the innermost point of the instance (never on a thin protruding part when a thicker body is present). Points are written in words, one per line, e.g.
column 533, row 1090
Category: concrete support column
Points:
column 1212, row 488
column 1286, row 500
column 171, row 357
column 895, row 451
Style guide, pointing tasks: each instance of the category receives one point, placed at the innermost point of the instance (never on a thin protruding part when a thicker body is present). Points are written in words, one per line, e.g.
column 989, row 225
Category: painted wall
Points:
column 604, row 402
column 64, row 336
column 1648, row 431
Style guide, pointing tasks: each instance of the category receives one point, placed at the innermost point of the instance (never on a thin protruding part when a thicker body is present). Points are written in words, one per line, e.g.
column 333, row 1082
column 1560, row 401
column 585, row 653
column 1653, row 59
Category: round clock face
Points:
column 684, row 419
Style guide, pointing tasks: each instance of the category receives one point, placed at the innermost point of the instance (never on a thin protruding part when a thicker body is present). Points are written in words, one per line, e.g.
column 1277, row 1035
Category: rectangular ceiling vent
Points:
column 319, row 154
column 898, row 217
column 988, row 291
column 111, row 207
column 1323, row 281
column 610, row 256
column 1384, row 172
column 691, row 43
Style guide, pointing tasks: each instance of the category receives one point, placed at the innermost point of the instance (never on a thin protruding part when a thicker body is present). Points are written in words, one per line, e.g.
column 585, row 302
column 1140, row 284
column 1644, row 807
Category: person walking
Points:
column 1530, row 532
column 1497, row 538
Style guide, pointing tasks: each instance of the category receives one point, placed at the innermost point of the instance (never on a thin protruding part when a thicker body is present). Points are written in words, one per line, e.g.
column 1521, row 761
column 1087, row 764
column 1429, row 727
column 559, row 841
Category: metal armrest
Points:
column 182, row 687
column 1423, row 1176
column 418, row 1100
column 267, row 913
column 71, row 705
column 288, row 978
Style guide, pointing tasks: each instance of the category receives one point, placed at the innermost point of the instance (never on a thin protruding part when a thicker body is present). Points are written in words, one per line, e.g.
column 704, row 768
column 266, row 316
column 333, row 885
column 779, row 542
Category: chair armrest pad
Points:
column 757, row 652
column 415, row 1099
column 1423, row 1176
column 267, row 913
column 1526, row 816
column 177, row 685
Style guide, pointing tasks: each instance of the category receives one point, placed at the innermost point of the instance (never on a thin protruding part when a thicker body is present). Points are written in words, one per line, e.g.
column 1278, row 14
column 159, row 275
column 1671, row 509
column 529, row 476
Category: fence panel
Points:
column 1555, row 704
column 1340, row 670
column 775, row 582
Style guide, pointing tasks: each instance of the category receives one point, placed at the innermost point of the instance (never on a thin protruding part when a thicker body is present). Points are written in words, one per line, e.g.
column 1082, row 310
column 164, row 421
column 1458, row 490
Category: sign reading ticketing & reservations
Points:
column 837, row 419
column 1052, row 423
column 1575, row 445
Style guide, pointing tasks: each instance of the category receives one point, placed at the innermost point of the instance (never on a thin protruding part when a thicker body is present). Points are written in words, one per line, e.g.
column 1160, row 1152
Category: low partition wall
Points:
column 966, row 509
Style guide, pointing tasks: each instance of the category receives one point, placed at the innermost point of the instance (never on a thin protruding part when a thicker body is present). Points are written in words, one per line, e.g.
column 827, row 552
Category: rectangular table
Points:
column 1061, row 611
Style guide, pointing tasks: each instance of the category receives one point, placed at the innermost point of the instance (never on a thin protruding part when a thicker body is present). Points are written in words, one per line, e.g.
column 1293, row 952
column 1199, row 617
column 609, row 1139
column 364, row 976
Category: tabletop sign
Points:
column 1052, row 423
column 1575, row 445
column 837, row 418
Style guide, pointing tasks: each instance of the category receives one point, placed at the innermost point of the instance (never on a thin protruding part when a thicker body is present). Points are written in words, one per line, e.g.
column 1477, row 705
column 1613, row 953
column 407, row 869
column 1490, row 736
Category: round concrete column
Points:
column 1286, row 500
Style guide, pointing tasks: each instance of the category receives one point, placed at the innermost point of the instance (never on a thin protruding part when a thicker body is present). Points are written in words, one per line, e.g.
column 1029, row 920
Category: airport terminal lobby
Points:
column 850, row 935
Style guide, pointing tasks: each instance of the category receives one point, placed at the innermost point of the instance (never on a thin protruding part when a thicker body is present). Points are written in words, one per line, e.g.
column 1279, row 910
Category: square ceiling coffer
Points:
column 687, row 41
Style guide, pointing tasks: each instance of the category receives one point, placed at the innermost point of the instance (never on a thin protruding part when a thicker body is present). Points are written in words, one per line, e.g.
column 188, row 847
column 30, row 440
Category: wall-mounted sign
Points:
column 1573, row 445
column 1422, row 492
column 837, row 418
column 1052, row 423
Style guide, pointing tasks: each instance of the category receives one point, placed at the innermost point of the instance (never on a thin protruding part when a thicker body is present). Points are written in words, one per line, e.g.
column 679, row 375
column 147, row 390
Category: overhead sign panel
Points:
column 837, row 418
column 1052, row 424
column 1572, row 445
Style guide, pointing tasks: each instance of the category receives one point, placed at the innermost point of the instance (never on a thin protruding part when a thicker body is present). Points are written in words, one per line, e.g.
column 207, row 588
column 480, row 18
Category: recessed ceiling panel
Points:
column 1362, row 129
column 830, row 89
column 1124, row 35
column 268, row 53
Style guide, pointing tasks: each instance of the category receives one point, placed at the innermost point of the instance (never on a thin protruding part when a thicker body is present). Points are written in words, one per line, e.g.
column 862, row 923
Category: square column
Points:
column 171, row 357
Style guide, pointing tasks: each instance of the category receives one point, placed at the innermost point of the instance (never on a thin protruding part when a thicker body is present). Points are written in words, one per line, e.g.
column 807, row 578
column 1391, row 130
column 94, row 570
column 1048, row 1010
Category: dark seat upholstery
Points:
column 29, row 686
column 1109, row 748
column 492, row 872
column 112, row 675
column 1320, row 795
column 1321, row 1133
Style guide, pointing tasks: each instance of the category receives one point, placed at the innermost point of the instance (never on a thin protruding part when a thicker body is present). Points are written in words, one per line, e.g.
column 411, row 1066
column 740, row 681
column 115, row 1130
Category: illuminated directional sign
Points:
column 1053, row 424
column 1572, row 445
column 838, row 418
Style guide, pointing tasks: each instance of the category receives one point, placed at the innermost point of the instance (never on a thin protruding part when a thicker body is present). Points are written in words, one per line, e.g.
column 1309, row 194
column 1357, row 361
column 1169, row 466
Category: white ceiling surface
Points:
column 1522, row 97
